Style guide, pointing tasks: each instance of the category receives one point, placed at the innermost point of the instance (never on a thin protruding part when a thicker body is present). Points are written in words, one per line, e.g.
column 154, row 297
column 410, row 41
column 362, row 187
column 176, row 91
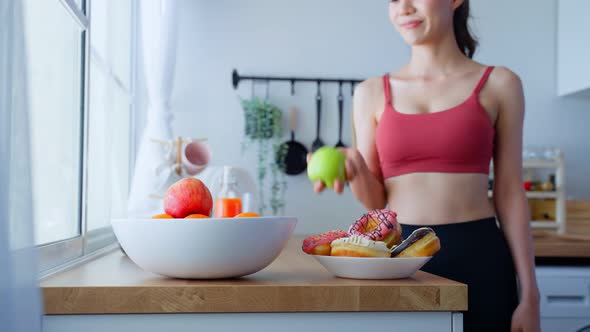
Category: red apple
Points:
column 188, row 196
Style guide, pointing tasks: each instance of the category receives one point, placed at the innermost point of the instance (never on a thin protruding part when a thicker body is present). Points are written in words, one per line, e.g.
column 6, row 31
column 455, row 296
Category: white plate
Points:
column 204, row 248
column 372, row 268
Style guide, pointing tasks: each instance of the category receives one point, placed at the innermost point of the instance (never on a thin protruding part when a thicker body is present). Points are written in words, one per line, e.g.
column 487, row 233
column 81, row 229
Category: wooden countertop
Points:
column 555, row 246
column 574, row 247
column 294, row 282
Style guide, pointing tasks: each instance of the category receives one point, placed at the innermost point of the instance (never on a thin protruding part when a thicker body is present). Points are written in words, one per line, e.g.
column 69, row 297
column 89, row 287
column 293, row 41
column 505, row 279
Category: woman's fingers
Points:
column 338, row 186
column 318, row 186
column 351, row 169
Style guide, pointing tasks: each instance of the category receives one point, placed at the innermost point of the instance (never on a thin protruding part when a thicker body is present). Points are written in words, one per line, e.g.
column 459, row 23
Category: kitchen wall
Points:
column 351, row 38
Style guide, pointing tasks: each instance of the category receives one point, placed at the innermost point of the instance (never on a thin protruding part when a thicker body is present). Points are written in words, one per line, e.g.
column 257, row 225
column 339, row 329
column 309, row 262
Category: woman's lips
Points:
column 411, row 24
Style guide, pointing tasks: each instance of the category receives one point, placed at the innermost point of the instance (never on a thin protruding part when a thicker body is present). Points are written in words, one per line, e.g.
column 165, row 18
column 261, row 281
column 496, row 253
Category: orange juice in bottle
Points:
column 228, row 203
column 227, row 207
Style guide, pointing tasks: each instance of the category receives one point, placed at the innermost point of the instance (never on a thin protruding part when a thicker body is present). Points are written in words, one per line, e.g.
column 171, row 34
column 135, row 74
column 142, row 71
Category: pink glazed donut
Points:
column 378, row 225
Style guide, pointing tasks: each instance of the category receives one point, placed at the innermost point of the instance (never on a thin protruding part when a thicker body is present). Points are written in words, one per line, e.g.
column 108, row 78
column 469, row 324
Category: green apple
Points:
column 327, row 164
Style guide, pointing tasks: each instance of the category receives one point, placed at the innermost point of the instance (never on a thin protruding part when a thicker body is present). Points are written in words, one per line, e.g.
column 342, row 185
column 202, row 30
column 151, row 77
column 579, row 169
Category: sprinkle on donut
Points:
column 375, row 225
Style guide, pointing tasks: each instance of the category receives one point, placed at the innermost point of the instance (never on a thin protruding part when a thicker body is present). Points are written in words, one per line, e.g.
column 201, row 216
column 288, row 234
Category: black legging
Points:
column 476, row 253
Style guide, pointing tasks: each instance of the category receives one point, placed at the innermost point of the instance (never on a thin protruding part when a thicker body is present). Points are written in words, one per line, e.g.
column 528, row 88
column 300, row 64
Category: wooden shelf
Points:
column 537, row 163
column 558, row 164
column 542, row 194
column 540, row 163
column 544, row 224
column 536, row 194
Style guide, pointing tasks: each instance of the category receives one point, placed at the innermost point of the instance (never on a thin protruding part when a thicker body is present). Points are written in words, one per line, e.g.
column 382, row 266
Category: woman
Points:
column 424, row 138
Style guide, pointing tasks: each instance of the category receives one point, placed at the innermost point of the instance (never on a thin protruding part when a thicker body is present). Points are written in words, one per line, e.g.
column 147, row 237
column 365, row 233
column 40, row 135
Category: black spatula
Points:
column 318, row 142
column 340, row 144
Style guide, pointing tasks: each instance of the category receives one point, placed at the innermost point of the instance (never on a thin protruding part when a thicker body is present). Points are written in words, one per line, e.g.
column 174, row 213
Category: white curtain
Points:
column 20, row 305
column 158, row 28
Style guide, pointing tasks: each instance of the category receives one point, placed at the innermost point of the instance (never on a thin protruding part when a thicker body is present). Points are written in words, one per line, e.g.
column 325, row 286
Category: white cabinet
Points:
column 573, row 46
column 255, row 322
column 565, row 325
column 565, row 298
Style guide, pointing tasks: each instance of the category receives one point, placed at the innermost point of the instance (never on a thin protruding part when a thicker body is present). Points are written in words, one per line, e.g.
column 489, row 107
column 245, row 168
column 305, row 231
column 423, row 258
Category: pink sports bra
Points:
column 457, row 140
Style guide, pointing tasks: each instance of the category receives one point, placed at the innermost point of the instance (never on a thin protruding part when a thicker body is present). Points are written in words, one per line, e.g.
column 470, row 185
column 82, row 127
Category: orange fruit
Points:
column 196, row 216
column 162, row 216
column 247, row 215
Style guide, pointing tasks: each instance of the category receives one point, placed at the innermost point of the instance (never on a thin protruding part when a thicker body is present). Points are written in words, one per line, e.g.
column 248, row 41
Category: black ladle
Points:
column 340, row 115
column 318, row 142
column 295, row 158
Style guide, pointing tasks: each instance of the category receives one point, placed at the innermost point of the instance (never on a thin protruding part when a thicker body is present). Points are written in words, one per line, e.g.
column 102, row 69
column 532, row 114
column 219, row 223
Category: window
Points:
column 79, row 92
column 54, row 77
column 110, row 111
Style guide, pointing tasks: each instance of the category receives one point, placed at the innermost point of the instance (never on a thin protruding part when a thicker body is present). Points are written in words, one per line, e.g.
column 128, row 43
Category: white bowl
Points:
column 372, row 268
column 204, row 248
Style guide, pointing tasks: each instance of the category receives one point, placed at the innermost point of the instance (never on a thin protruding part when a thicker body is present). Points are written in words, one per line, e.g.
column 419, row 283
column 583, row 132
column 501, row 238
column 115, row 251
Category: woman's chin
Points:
column 414, row 40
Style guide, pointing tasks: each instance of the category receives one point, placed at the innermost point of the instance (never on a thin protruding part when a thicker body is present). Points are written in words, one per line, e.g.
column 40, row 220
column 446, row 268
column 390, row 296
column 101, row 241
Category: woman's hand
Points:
column 526, row 317
column 355, row 167
column 363, row 171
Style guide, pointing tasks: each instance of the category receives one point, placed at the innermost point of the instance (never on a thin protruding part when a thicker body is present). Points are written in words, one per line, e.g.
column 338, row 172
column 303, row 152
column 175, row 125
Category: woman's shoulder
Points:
column 506, row 89
column 504, row 78
column 369, row 95
column 371, row 86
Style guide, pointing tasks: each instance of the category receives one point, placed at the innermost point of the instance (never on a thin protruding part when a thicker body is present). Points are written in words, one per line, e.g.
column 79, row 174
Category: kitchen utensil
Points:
column 295, row 156
column 318, row 142
column 372, row 268
column 340, row 114
column 206, row 248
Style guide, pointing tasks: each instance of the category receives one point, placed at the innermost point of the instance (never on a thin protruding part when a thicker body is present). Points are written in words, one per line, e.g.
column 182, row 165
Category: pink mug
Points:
column 195, row 157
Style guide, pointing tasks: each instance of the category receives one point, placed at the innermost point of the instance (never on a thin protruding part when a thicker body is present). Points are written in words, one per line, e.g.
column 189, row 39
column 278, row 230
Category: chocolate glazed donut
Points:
column 422, row 242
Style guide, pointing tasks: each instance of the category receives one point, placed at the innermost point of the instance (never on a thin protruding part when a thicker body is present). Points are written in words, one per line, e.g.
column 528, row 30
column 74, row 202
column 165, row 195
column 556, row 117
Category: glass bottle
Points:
column 228, row 203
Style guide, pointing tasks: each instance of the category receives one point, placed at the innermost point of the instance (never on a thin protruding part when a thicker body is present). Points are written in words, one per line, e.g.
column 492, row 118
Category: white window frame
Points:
column 63, row 254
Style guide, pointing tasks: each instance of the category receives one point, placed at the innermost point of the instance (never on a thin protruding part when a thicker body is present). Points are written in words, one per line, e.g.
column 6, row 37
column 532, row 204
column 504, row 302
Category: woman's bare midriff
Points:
column 439, row 198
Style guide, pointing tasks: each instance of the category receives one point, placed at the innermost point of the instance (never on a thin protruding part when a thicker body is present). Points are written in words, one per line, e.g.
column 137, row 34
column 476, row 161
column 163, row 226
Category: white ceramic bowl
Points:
column 204, row 248
column 372, row 268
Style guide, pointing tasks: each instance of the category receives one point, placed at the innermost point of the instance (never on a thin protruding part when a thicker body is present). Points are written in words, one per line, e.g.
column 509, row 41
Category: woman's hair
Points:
column 465, row 40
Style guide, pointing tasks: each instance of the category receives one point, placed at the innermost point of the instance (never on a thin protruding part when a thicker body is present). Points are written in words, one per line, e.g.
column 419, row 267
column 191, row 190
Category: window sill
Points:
column 63, row 255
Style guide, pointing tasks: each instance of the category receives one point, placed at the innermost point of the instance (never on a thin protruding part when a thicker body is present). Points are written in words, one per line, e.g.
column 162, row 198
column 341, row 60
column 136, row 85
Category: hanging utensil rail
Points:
column 236, row 78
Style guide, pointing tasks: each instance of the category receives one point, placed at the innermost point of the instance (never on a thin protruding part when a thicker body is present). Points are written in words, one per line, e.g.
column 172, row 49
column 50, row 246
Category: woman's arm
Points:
column 363, row 171
column 362, row 161
column 509, row 194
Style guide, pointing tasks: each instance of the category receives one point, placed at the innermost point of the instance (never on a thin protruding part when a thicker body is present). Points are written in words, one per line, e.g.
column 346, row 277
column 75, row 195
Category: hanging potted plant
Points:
column 263, row 126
